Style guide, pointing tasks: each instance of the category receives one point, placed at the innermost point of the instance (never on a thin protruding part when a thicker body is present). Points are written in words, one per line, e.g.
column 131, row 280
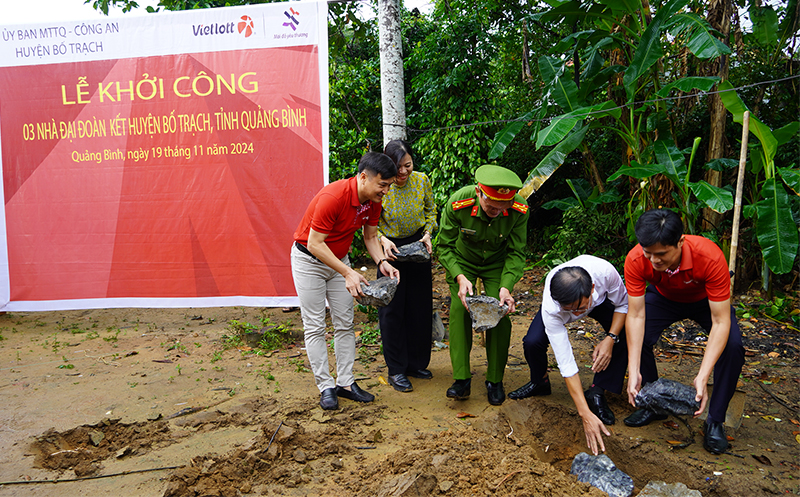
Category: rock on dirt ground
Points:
column 146, row 402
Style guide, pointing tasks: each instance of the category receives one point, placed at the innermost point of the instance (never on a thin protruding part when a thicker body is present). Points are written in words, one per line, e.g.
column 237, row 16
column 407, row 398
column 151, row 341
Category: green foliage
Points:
column 585, row 231
column 371, row 335
column 782, row 308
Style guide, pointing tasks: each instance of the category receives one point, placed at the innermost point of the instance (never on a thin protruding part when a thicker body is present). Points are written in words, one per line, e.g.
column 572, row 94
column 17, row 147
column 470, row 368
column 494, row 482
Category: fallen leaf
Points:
column 763, row 460
column 675, row 442
column 797, row 438
column 382, row 380
column 463, row 415
column 768, row 417
column 774, row 355
column 795, row 422
column 671, row 424
column 790, row 464
column 730, row 438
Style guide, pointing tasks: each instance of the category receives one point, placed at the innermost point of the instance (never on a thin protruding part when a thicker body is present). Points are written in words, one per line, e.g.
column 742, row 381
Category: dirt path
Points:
column 101, row 392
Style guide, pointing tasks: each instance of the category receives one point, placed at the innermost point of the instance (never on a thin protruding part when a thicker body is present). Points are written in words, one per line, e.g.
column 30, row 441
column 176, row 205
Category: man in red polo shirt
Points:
column 321, row 270
column 688, row 279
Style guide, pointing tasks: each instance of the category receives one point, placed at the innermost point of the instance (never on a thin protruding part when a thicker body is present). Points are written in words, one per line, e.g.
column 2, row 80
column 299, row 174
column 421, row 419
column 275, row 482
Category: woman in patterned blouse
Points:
column 408, row 215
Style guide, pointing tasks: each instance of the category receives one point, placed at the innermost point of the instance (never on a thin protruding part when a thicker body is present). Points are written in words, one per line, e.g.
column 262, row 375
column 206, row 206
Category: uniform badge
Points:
column 521, row 208
column 460, row 204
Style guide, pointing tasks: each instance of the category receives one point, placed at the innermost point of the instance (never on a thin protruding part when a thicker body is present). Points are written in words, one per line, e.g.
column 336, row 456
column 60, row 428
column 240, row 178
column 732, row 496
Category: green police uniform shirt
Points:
column 469, row 239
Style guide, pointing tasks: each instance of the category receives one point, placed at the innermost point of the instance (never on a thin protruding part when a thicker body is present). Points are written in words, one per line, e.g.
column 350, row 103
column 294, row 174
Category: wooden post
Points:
column 737, row 206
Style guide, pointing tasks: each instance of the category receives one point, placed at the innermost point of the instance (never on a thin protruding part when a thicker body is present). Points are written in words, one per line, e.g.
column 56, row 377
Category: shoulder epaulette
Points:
column 520, row 207
column 460, row 204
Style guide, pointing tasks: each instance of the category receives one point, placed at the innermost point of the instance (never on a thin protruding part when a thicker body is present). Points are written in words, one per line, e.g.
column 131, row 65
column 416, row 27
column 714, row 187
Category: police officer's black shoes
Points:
column 355, row 393
column 328, row 399
column 596, row 399
column 531, row 389
column 715, row 440
column 460, row 389
column 400, row 383
column 641, row 417
column 495, row 392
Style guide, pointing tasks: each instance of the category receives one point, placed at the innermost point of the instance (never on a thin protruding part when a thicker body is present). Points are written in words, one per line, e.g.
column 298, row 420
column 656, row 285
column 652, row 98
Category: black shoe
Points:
column 355, row 393
column 641, row 417
column 460, row 389
column 328, row 399
column 715, row 440
column 531, row 389
column 400, row 383
column 420, row 373
column 495, row 392
column 598, row 405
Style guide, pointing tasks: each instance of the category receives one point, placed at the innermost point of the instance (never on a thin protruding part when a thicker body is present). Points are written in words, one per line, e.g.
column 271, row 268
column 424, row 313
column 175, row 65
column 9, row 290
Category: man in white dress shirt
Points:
column 584, row 286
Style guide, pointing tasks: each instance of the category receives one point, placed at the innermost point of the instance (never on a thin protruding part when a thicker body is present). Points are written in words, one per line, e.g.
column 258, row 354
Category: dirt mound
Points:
column 82, row 448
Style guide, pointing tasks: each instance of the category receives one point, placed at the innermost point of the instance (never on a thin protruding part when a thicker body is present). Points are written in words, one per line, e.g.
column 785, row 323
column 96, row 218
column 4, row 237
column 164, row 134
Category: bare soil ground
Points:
column 145, row 402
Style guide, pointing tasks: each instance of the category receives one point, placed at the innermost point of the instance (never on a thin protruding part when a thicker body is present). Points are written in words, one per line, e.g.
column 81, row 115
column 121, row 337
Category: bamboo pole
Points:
column 737, row 206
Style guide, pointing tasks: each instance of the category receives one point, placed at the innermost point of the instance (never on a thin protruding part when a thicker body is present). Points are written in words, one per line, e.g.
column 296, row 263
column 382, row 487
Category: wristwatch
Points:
column 615, row 337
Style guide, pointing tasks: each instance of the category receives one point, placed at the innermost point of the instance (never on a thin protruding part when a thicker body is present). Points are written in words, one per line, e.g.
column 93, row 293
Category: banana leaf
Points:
column 552, row 161
column 718, row 199
column 776, row 230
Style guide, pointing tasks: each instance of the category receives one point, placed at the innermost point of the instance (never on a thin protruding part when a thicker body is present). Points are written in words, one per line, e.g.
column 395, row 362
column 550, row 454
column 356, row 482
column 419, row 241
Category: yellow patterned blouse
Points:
column 406, row 209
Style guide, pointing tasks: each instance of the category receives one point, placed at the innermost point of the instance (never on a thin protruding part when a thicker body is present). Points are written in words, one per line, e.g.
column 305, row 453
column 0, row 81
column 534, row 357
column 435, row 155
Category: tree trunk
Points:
column 719, row 16
column 393, row 97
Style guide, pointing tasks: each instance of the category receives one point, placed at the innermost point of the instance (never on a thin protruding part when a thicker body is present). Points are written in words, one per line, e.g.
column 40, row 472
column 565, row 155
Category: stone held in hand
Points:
column 668, row 397
column 379, row 292
column 485, row 312
column 412, row 252
column 600, row 471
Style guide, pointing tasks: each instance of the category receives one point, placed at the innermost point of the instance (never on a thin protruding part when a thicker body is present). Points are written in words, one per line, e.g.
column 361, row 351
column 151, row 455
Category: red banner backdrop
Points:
column 158, row 180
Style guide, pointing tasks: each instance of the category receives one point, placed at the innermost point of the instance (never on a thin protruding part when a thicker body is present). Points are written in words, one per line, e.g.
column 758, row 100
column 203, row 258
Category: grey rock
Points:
column 440, row 333
column 661, row 489
column 485, row 312
column 600, row 471
column 96, row 437
column 668, row 397
column 379, row 292
column 412, row 252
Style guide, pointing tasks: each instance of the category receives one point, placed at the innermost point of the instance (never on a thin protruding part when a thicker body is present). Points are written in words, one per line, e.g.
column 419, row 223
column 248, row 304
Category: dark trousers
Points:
column 660, row 313
column 406, row 323
column 536, row 342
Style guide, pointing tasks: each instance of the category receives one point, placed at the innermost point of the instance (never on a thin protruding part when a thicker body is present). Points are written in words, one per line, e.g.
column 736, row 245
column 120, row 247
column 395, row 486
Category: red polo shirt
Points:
column 703, row 272
column 336, row 212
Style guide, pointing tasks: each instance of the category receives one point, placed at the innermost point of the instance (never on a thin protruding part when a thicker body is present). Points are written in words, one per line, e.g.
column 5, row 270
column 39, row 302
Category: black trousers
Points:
column 536, row 342
column 661, row 313
column 406, row 323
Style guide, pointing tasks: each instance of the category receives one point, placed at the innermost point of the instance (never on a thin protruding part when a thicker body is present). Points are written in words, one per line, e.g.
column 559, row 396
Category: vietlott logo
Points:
column 244, row 26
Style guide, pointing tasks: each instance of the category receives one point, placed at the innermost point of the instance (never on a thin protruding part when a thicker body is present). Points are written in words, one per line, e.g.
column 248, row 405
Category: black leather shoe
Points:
column 420, row 373
column 715, row 440
column 400, row 383
column 460, row 389
column 531, row 389
column 596, row 399
column 328, row 399
column 495, row 393
column 641, row 417
column 355, row 393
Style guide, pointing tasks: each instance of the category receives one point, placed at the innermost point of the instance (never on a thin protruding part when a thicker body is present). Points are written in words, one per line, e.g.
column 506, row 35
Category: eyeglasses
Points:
column 579, row 310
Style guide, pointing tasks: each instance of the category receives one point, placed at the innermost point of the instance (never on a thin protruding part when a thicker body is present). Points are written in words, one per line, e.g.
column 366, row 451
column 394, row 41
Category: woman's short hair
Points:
column 397, row 149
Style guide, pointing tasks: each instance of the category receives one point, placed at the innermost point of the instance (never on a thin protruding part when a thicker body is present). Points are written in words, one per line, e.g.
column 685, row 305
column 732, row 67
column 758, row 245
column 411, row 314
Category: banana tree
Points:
column 776, row 230
column 624, row 30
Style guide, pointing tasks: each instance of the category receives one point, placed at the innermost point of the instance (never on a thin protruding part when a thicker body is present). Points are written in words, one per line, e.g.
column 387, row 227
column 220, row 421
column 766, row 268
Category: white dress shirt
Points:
column 607, row 285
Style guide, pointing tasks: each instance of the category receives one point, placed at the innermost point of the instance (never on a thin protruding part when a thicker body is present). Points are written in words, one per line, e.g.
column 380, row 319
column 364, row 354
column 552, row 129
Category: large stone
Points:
column 440, row 333
column 668, row 397
column 485, row 312
column 412, row 252
column 600, row 471
column 379, row 292
column 661, row 489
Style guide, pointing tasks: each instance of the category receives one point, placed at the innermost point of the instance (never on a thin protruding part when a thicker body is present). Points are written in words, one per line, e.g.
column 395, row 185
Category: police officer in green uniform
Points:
column 482, row 235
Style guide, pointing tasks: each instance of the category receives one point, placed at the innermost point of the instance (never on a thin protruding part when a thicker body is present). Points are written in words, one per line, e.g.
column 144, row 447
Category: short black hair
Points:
column 659, row 226
column 377, row 163
column 570, row 284
column 397, row 149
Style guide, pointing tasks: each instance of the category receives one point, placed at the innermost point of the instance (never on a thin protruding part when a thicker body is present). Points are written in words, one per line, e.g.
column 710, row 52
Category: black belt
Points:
column 302, row 248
